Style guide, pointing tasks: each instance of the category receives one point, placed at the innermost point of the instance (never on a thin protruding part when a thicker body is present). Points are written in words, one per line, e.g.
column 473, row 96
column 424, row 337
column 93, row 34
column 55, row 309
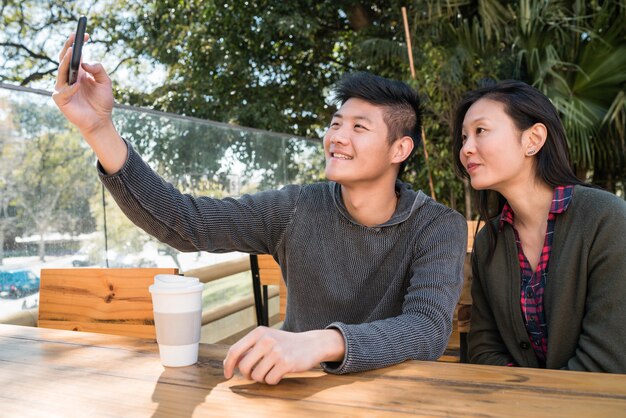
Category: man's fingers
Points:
column 236, row 351
column 63, row 95
column 251, row 360
column 67, row 45
column 64, row 61
column 267, row 366
column 97, row 71
column 275, row 375
column 69, row 42
column 63, row 70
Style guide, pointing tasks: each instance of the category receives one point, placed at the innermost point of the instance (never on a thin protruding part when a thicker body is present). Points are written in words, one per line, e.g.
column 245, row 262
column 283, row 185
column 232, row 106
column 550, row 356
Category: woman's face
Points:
column 492, row 151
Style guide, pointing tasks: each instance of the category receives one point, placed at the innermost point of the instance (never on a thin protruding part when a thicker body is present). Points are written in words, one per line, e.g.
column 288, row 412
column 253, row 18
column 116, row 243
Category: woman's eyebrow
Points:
column 475, row 120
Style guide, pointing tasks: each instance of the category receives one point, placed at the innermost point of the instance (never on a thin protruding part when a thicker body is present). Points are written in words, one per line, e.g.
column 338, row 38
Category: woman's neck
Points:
column 530, row 202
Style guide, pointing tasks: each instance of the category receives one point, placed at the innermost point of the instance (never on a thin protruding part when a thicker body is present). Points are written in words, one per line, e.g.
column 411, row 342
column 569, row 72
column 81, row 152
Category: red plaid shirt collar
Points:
column 561, row 199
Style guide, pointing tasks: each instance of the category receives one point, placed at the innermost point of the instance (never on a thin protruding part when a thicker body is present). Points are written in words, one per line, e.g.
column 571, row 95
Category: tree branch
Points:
column 120, row 63
column 37, row 76
column 31, row 53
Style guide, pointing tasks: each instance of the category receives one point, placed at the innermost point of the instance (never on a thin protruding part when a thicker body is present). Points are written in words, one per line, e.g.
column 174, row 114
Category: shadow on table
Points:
column 293, row 388
column 180, row 390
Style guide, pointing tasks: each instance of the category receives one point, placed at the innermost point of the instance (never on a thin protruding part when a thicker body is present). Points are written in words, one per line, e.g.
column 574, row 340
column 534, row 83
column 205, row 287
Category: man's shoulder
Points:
column 310, row 192
column 438, row 209
column 313, row 189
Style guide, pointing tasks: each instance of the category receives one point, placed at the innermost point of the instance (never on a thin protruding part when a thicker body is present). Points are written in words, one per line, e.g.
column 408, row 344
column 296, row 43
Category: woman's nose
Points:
column 468, row 147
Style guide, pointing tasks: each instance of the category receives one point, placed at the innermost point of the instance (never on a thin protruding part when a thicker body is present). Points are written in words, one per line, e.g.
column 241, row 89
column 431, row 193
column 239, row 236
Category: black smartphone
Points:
column 77, row 50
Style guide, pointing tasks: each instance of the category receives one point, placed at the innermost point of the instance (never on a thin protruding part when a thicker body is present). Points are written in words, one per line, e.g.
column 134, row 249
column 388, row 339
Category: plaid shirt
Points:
column 533, row 284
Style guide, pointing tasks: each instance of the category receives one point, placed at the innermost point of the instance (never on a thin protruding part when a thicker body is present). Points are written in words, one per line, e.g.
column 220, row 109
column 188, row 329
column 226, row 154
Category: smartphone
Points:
column 77, row 50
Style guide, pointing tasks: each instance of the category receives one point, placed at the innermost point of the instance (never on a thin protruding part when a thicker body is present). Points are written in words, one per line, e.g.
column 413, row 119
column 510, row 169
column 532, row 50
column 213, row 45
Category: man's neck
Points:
column 370, row 206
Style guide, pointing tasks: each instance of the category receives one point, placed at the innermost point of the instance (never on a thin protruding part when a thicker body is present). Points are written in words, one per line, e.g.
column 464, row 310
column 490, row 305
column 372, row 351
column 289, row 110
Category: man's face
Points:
column 356, row 146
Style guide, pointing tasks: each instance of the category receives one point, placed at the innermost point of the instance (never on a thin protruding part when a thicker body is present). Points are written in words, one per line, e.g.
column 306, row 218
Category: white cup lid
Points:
column 171, row 283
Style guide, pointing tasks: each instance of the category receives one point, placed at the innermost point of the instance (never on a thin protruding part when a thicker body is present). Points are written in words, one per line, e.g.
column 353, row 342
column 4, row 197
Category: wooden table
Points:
column 46, row 373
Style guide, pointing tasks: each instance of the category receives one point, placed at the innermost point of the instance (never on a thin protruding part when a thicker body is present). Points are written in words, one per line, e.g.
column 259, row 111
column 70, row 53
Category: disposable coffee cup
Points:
column 177, row 305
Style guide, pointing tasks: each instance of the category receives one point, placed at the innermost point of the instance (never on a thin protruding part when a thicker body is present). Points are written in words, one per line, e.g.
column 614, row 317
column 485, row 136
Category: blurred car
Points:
column 81, row 260
column 16, row 284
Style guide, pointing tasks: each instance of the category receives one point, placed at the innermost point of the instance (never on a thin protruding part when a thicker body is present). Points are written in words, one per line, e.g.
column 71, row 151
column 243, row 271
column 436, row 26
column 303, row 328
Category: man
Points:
column 373, row 269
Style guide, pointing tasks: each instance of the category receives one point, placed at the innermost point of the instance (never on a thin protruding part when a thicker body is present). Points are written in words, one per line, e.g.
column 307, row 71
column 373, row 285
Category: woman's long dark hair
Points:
column 526, row 106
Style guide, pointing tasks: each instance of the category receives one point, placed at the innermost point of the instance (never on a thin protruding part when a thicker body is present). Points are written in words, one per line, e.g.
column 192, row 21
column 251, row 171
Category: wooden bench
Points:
column 106, row 300
column 266, row 272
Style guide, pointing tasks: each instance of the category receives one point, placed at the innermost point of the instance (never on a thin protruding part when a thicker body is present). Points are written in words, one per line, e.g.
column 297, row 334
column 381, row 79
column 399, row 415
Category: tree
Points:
column 51, row 182
column 581, row 67
column 11, row 155
column 573, row 51
column 269, row 65
column 33, row 33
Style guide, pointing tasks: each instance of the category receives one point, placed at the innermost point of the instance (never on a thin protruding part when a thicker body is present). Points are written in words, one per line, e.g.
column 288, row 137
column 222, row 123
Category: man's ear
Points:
column 401, row 149
column 534, row 138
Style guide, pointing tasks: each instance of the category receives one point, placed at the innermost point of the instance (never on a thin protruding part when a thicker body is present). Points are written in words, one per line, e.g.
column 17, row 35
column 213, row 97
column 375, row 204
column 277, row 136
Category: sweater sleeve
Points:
column 602, row 340
column 422, row 330
column 252, row 223
column 485, row 345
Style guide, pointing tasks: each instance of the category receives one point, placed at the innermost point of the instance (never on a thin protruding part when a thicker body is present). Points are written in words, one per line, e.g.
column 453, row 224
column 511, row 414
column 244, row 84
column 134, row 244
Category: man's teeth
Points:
column 342, row 156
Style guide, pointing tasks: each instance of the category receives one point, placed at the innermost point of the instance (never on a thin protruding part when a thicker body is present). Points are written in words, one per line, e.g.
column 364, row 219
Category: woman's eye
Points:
column 464, row 139
column 480, row 130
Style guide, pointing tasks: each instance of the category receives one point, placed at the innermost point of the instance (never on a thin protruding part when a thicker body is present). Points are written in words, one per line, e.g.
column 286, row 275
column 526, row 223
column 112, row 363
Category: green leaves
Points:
column 270, row 65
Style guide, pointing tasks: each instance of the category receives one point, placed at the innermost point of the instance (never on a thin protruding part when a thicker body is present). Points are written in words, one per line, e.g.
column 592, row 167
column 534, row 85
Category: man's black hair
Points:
column 402, row 112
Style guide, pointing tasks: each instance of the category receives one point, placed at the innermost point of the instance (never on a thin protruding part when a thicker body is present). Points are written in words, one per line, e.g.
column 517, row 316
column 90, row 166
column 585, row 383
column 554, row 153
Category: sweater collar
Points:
column 408, row 203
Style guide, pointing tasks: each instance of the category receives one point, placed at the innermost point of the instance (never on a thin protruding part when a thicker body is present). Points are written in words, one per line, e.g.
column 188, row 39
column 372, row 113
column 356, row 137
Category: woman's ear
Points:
column 401, row 149
column 534, row 138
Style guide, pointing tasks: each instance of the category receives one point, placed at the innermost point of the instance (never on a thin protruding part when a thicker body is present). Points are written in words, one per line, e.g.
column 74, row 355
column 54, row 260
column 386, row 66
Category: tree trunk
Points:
column 1, row 246
column 42, row 248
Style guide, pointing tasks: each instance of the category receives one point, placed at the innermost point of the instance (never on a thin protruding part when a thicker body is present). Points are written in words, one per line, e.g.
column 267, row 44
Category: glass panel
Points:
column 55, row 213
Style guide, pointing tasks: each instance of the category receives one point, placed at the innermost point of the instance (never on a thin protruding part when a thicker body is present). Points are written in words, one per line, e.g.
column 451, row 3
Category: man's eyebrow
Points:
column 363, row 118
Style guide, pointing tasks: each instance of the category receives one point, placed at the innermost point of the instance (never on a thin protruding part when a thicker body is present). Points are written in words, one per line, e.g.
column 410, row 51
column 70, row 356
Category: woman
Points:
column 549, row 271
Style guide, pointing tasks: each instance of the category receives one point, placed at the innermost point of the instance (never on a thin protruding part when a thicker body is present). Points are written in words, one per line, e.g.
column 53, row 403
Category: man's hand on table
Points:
column 266, row 355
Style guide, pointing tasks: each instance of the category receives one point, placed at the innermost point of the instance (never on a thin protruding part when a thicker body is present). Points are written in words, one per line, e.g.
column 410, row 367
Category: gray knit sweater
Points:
column 390, row 290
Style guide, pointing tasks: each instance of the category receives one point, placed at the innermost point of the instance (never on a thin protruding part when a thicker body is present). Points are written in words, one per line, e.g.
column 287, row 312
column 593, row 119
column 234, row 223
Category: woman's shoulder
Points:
column 593, row 199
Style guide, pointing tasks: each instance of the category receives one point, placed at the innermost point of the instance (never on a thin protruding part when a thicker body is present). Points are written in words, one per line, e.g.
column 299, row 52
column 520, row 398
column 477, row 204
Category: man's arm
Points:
column 422, row 330
column 266, row 355
column 251, row 223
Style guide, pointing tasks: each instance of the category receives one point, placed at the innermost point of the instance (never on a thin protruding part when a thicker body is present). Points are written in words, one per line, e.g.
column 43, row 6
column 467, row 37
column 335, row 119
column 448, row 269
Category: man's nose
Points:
column 338, row 136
